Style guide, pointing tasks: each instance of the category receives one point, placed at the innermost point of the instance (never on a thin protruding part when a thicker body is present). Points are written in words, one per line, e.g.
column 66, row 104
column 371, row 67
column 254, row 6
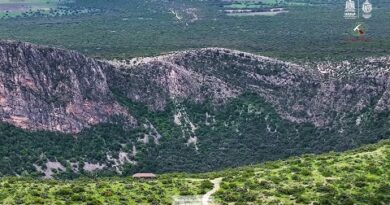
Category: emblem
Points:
column 367, row 8
column 350, row 10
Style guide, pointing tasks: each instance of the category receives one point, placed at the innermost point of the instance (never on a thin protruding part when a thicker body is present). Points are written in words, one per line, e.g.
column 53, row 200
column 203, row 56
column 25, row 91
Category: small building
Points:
column 145, row 176
column 277, row 9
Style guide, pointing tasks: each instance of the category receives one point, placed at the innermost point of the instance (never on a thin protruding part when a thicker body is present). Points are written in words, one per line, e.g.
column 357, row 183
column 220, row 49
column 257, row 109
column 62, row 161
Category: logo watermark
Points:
column 351, row 12
column 359, row 29
column 367, row 9
column 358, row 32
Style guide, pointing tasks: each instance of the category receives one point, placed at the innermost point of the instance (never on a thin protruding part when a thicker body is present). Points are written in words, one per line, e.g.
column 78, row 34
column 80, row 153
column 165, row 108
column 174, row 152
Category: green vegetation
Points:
column 241, row 132
column 25, row 8
column 21, row 149
column 263, row 4
column 242, row 6
column 237, row 136
column 355, row 177
column 96, row 191
column 129, row 28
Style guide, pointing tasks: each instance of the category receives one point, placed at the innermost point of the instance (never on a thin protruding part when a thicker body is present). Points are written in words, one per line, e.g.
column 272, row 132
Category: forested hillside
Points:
column 355, row 177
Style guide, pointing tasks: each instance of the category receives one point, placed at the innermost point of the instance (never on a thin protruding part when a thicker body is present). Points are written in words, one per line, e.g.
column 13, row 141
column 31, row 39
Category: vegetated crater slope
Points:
column 195, row 110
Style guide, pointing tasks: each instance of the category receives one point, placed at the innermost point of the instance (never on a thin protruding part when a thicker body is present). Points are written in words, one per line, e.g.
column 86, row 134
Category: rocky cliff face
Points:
column 51, row 89
column 316, row 93
column 195, row 110
column 156, row 81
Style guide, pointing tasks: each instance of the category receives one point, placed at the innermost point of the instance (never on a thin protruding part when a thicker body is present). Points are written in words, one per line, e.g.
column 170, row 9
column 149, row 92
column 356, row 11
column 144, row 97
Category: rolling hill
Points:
column 354, row 177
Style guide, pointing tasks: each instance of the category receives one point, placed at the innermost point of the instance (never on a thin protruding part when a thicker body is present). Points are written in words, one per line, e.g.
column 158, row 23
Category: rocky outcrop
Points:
column 156, row 81
column 52, row 89
column 316, row 93
column 198, row 108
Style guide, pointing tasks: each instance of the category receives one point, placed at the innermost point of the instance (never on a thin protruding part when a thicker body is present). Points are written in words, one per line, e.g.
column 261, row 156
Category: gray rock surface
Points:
column 57, row 90
column 52, row 89
column 316, row 93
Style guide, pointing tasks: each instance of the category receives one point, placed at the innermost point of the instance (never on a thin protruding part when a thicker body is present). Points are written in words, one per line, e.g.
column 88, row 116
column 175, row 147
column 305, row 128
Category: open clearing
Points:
column 260, row 13
column 19, row 6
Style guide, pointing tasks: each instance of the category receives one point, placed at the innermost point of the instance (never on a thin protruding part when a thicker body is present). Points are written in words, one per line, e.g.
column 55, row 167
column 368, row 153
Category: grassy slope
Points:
column 355, row 177
column 98, row 191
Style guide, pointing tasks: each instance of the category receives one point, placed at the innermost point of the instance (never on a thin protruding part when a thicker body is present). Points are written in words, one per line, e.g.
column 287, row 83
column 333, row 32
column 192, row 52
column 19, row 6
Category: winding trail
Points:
column 206, row 197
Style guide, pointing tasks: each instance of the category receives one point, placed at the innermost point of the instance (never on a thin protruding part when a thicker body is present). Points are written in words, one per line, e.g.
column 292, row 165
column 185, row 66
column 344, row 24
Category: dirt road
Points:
column 206, row 197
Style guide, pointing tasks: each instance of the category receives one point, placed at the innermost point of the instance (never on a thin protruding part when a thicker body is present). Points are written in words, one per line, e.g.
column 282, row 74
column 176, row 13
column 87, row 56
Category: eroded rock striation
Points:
column 50, row 89
column 57, row 90
column 315, row 93
column 191, row 110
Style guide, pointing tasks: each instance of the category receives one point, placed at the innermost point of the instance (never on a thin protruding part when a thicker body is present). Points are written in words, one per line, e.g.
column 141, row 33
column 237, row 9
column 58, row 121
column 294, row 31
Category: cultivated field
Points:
column 27, row 5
